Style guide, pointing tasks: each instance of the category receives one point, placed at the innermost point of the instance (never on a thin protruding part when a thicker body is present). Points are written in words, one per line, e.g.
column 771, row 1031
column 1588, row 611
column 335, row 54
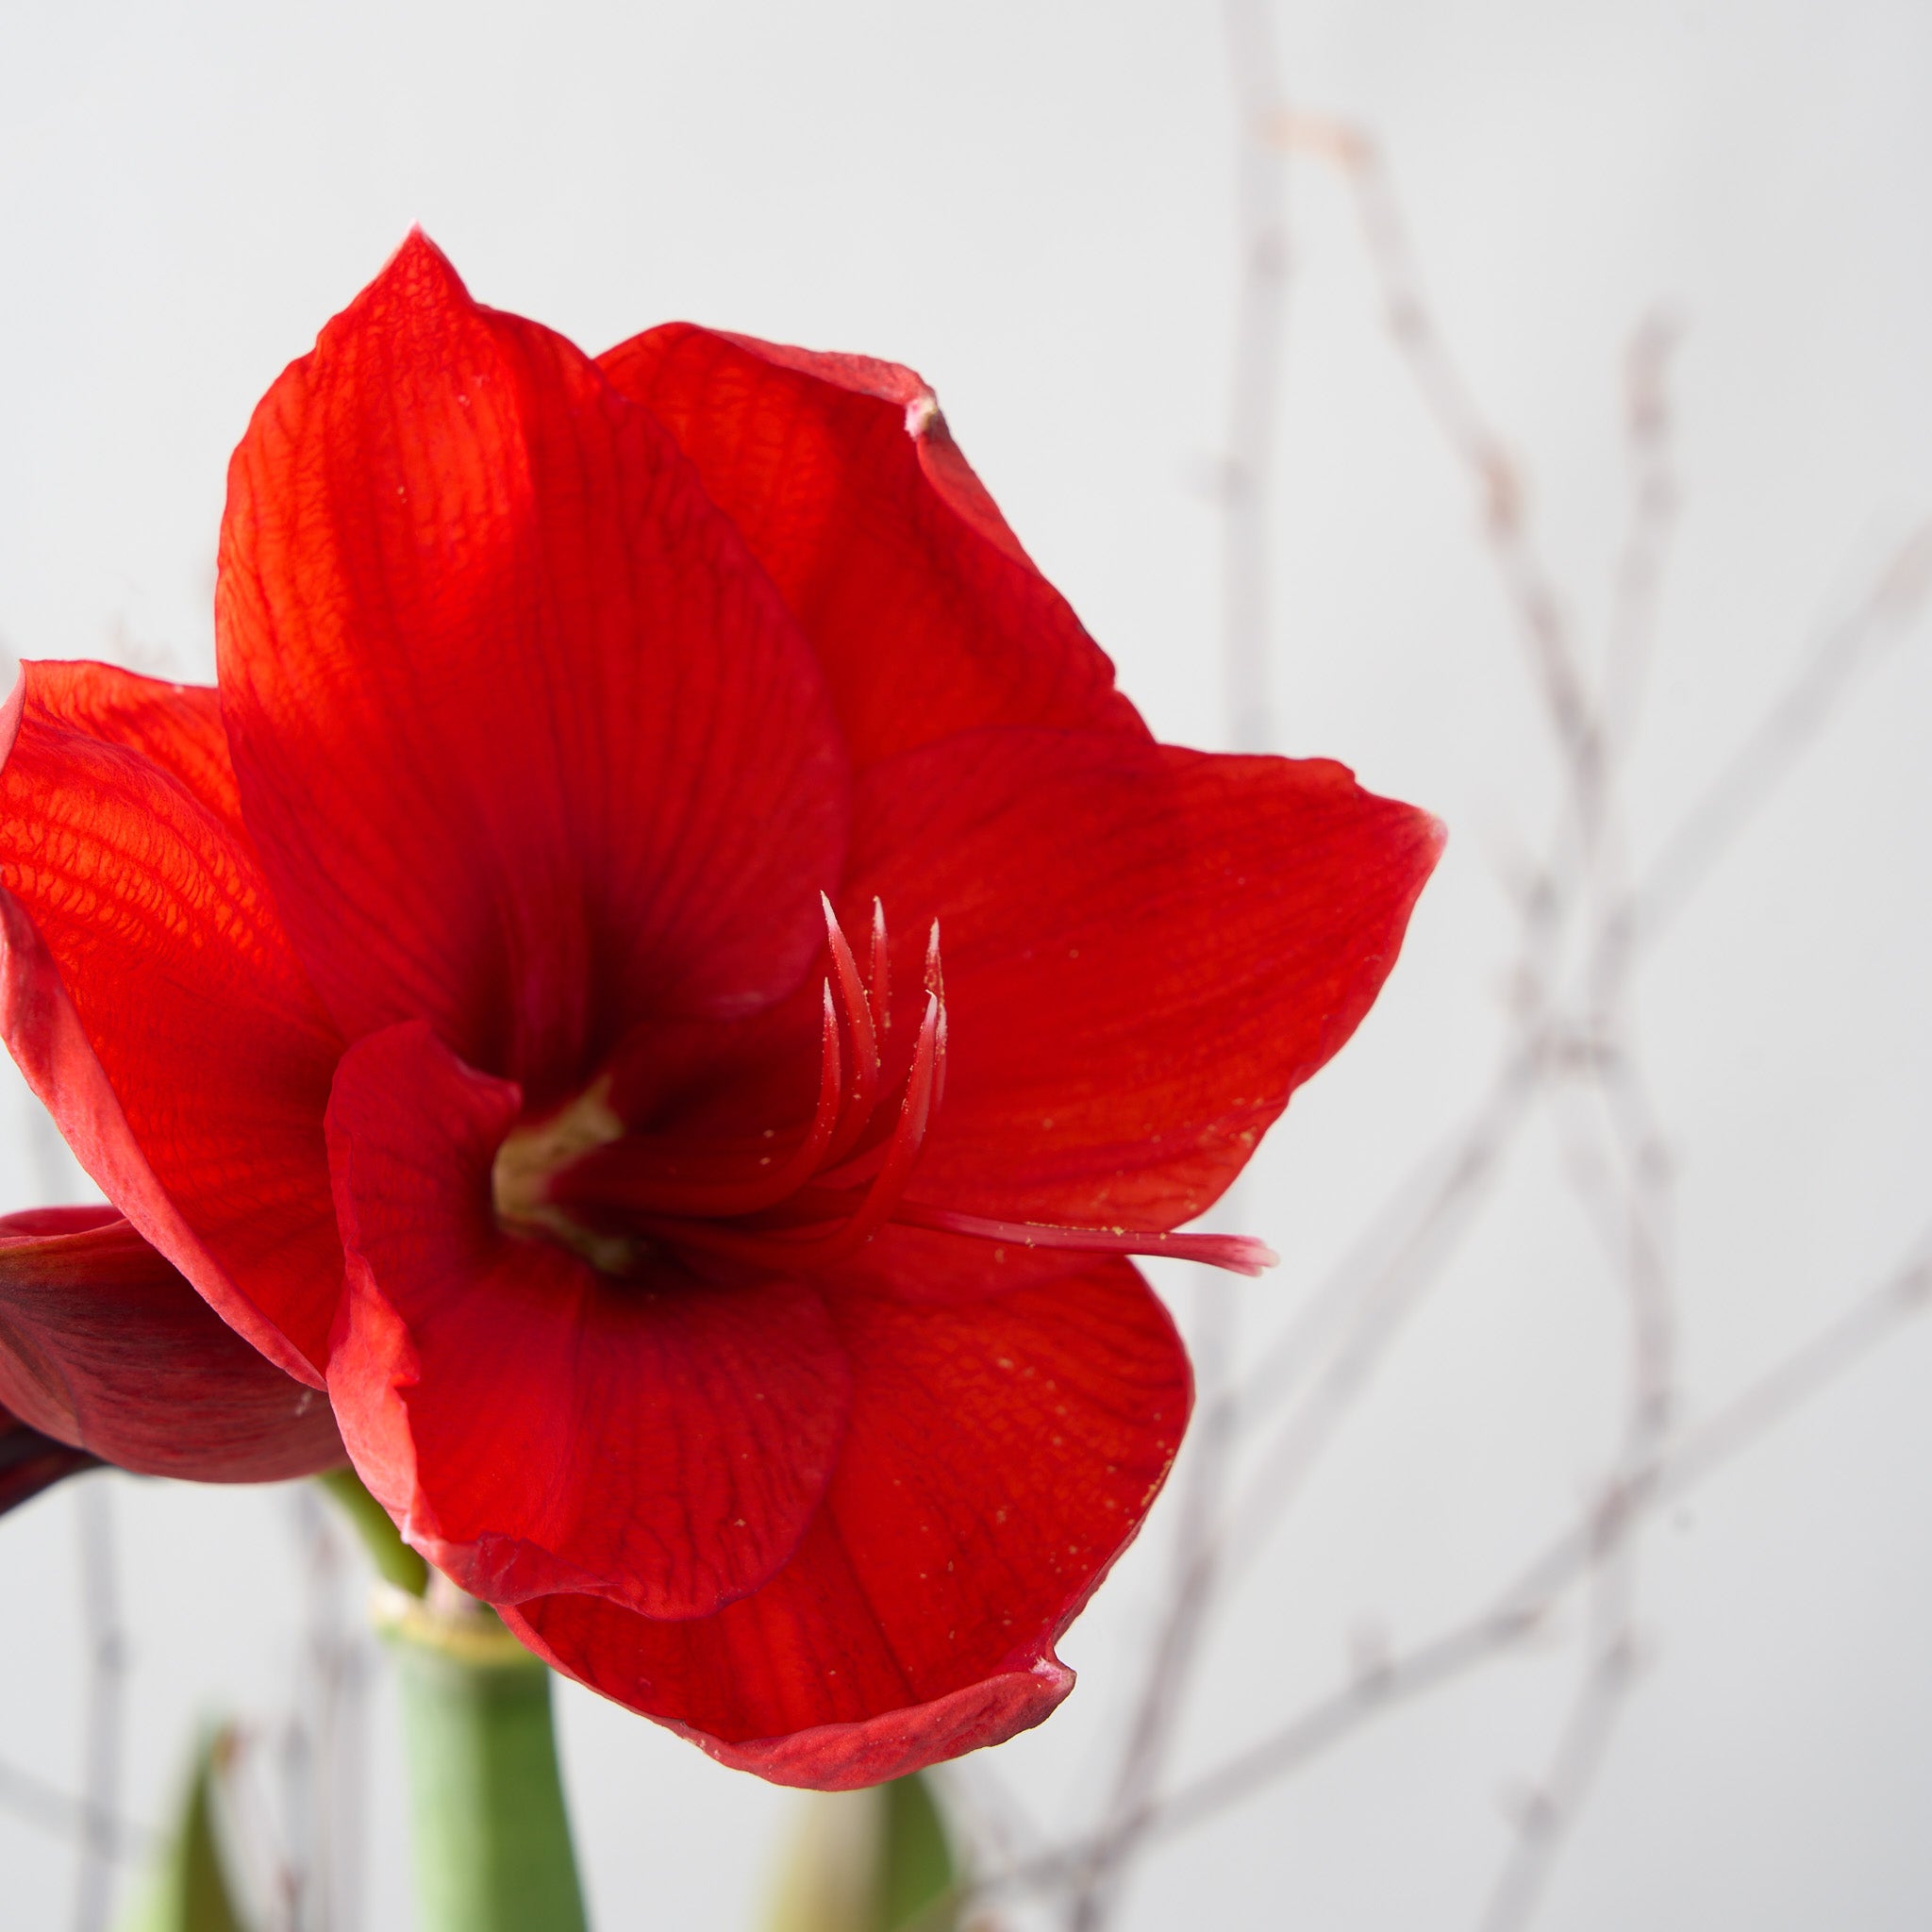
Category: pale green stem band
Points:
column 490, row 1837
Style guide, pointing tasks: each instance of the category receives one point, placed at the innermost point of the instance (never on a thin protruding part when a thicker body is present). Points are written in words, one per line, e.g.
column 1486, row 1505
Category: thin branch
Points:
column 1451, row 400
column 1520, row 1607
column 1244, row 498
column 35, row 1802
column 1639, row 579
column 1884, row 617
column 1519, row 1612
column 1254, row 382
column 104, row 1702
column 1544, row 1815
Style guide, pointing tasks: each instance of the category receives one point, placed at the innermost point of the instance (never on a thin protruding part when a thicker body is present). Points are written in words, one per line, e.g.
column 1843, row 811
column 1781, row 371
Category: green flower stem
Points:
column 491, row 1835
column 396, row 1561
column 492, row 1839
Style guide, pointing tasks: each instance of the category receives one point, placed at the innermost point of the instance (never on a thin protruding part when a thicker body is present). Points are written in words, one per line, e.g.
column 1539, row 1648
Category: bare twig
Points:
column 1573, row 1045
column 104, row 1700
column 1502, row 492
column 1646, row 541
column 1244, row 498
column 1378, row 1687
column 35, row 1802
column 1884, row 617
column 1253, row 72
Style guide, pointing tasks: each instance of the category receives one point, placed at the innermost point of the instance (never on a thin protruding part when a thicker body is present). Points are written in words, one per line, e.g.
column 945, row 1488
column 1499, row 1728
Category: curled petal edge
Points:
column 30, row 1461
column 105, row 1347
column 869, row 1751
column 48, row 1043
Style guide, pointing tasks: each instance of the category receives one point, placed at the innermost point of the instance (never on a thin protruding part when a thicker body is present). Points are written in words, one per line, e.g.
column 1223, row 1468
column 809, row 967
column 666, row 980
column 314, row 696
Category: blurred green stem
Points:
column 396, row 1561
column 490, row 1837
column 490, row 1834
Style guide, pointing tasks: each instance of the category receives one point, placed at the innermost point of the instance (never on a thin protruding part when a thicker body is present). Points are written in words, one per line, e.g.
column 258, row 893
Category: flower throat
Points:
column 578, row 1177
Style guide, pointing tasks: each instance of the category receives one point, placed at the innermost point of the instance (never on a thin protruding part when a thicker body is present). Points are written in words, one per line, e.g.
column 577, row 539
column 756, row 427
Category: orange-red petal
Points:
column 152, row 1000
column 528, row 743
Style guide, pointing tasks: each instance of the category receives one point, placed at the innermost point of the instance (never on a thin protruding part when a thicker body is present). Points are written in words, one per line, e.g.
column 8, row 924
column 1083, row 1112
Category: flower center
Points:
column 531, row 1154
column 580, row 1177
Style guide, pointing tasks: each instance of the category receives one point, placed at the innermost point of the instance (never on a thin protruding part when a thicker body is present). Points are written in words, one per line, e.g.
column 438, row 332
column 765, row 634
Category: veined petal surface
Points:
column 1146, row 951
column 527, row 742
column 999, row 1457
column 154, row 1003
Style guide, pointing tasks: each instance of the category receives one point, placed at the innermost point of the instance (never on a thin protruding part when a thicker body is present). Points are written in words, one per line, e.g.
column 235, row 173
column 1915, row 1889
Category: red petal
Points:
column 842, row 476
column 30, row 1462
column 528, row 743
column 537, row 1425
column 174, row 727
column 1001, row 1455
column 105, row 1346
column 1146, row 951
column 152, row 1002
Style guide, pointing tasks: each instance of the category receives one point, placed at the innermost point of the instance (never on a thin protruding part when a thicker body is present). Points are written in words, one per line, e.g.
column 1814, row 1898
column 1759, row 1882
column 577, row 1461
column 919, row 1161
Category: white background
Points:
column 1032, row 204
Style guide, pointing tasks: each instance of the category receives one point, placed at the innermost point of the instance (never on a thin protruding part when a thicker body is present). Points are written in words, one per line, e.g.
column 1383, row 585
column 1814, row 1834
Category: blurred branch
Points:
column 1638, row 581
column 104, row 1702
column 1379, row 1685
column 1502, row 492
column 1255, row 378
column 1522, row 1606
column 1885, row 616
column 1570, row 1050
column 34, row 1801
column 1245, row 474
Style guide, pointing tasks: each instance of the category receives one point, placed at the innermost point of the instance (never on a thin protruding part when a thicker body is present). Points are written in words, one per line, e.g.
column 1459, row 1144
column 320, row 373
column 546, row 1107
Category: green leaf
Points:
column 187, row 1891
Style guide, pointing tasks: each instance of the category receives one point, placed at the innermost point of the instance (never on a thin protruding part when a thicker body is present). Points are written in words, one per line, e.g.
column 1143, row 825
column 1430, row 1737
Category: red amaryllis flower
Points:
column 760, row 980
column 107, row 1350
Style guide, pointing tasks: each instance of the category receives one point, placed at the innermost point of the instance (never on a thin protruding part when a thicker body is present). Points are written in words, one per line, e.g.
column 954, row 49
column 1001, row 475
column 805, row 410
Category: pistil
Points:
column 577, row 1174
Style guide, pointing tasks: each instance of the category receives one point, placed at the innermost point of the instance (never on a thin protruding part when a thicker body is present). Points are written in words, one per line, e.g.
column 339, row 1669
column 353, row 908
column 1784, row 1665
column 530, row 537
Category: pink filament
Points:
column 847, row 1177
column 1239, row 1253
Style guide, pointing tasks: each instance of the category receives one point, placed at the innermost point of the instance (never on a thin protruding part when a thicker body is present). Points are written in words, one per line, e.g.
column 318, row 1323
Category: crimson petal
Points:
column 1000, row 1456
column 105, row 1348
column 527, row 741
column 1146, row 951
column 536, row 1426
column 843, row 477
column 150, row 997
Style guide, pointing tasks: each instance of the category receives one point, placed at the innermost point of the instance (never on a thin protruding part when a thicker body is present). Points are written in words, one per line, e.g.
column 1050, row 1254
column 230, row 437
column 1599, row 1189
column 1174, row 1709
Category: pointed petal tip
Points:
column 417, row 254
column 418, row 277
